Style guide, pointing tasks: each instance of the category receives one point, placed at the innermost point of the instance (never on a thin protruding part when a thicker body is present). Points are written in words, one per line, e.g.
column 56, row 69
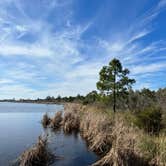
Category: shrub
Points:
column 149, row 119
column 91, row 97
column 164, row 122
column 129, row 117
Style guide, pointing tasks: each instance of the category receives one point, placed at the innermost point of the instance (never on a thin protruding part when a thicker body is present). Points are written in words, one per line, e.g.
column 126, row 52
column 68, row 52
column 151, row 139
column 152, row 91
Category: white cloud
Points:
column 56, row 58
column 6, row 81
column 161, row 4
column 27, row 50
column 86, row 70
column 148, row 68
column 141, row 85
column 16, row 91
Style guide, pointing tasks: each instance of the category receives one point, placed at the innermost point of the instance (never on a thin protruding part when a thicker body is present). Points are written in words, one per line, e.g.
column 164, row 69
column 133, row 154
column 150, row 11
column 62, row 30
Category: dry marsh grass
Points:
column 71, row 119
column 161, row 154
column 54, row 123
column 46, row 120
column 38, row 155
column 56, row 120
column 71, row 122
column 95, row 129
column 124, row 150
column 110, row 137
column 115, row 138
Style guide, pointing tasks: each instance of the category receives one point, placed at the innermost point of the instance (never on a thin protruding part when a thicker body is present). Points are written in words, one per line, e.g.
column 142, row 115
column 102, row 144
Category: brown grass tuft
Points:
column 56, row 120
column 161, row 154
column 95, row 128
column 46, row 120
column 124, row 146
column 71, row 122
column 38, row 155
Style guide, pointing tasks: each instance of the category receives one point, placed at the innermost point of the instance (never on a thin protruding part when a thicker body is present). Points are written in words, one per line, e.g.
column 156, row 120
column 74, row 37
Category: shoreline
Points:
column 109, row 135
column 32, row 102
column 34, row 153
column 113, row 136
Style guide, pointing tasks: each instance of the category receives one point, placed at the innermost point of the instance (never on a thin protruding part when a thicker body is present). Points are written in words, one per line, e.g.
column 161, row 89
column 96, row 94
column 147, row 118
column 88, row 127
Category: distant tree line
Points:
column 115, row 92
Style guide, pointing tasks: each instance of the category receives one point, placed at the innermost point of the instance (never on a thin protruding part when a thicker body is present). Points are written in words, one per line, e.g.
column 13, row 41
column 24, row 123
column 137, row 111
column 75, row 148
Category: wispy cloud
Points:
column 151, row 68
column 27, row 50
column 45, row 50
column 161, row 4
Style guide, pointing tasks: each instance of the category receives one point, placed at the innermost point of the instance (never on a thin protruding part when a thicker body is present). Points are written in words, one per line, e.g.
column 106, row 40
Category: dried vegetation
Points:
column 112, row 136
column 38, row 155
column 118, row 142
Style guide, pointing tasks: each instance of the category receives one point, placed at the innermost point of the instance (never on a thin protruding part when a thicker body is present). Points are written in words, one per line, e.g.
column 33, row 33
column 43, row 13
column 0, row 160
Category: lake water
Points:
column 20, row 126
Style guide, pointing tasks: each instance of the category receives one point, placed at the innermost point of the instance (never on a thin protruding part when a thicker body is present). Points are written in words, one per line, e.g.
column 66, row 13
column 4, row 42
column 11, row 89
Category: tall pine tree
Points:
column 114, row 80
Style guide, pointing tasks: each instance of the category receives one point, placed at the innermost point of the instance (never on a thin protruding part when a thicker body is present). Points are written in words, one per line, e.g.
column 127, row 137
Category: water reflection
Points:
column 20, row 127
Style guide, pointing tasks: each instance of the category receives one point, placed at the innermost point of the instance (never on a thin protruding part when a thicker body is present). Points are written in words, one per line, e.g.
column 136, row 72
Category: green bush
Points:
column 148, row 147
column 164, row 122
column 91, row 97
column 149, row 119
column 129, row 117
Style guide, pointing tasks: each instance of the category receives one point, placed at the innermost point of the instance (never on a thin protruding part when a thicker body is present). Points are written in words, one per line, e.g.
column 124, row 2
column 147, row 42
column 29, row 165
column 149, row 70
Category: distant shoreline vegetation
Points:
column 114, row 90
column 41, row 101
column 143, row 97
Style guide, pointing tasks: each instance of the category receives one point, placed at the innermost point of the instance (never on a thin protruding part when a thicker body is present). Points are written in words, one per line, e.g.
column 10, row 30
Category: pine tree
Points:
column 114, row 80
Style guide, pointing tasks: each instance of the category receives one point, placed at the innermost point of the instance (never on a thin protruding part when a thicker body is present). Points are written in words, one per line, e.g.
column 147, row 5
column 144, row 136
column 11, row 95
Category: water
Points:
column 20, row 127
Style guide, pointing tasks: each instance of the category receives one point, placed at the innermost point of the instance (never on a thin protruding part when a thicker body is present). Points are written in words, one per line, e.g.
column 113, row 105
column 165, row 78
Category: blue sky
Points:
column 52, row 47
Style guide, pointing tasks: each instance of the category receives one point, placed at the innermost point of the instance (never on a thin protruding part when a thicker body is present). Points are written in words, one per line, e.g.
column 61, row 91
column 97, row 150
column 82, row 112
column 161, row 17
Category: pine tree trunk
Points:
column 114, row 93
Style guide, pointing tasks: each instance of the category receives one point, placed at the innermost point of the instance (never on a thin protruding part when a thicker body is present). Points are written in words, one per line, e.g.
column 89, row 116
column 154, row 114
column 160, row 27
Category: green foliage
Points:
column 77, row 98
column 148, row 93
column 149, row 119
column 58, row 98
column 49, row 98
column 106, row 100
column 114, row 80
column 139, row 100
column 161, row 98
column 91, row 97
column 129, row 118
column 153, row 149
column 114, row 77
column 163, row 122
column 148, row 147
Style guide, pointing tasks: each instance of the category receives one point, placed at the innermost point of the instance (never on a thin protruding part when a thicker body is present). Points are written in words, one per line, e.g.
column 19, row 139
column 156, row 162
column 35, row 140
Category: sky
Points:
column 57, row 47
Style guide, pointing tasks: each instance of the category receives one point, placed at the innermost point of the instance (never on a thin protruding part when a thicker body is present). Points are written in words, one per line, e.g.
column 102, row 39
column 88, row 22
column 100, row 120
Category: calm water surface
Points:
column 20, row 127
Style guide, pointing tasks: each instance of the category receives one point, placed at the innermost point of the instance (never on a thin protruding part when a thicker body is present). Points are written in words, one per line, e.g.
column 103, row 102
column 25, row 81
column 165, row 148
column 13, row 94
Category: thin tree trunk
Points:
column 114, row 93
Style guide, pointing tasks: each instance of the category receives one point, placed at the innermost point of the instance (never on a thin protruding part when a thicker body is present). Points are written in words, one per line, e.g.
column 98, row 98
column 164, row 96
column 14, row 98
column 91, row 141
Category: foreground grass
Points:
column 116, row 139
column 38, row 155
column 113, row 136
